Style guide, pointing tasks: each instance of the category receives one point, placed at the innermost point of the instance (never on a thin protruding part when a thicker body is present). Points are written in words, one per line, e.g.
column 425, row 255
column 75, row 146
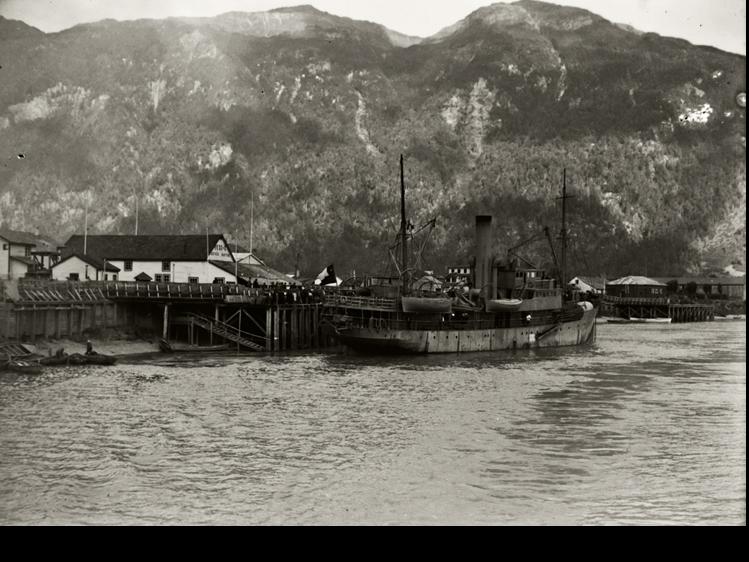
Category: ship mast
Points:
column 563, row 234
column 404, row 236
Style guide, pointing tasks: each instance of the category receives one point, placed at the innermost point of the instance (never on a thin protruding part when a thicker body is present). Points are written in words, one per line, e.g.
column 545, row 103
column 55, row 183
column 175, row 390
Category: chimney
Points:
column 483, row 273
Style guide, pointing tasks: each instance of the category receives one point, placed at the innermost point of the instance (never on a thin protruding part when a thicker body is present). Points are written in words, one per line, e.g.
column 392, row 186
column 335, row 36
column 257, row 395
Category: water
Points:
column 646, row 427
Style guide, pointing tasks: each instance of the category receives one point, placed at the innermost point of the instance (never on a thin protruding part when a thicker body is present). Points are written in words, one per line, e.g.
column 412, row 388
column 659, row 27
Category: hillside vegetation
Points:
column 299, row 117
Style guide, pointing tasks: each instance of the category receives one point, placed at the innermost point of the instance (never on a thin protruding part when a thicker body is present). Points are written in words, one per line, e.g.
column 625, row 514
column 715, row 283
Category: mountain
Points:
column 297, row 117
column 14, row 29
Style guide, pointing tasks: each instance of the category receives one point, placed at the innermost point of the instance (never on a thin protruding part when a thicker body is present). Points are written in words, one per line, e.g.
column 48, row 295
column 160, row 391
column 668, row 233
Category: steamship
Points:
column 507, row 306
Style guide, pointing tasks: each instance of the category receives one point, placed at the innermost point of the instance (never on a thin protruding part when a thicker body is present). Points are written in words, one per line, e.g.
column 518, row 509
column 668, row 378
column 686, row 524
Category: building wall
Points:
column 179, row 272
column 18, row 269
column 4, row 258
column 636, row 291
column 62, row 271
column 731, row 291
column 221, row 252
column 19, row 250
column 10, row 269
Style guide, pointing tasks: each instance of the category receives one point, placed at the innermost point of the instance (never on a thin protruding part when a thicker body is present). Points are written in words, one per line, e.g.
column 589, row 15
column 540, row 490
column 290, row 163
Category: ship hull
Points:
column 571, row 333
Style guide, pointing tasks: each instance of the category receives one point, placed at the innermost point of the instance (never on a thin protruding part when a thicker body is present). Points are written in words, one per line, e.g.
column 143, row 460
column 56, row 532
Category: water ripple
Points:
column 647, row 427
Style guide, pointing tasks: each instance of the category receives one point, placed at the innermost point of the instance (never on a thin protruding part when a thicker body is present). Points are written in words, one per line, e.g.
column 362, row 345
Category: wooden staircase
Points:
column 225, row 331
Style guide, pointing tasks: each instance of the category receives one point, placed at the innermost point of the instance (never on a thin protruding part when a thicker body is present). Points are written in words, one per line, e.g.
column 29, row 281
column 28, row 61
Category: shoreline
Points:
column 120, row 347
column 131, row 348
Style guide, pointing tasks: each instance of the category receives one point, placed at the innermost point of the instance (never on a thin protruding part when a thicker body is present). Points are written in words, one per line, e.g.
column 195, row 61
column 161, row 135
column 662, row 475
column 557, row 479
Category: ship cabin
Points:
column 500, row 280
column 532, row 286
column 383, row 286
column 502, row 294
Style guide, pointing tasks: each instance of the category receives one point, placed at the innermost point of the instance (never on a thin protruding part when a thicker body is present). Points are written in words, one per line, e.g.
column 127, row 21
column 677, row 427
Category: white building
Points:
column 164, row 258
column 458, row 273
column 78, row 267
column 588, row 285
column 15, row 253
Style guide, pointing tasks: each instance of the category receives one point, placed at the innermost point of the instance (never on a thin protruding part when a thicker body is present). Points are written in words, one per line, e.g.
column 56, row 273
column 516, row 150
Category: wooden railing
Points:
column 96, row 291
column 636, row 301
column 369, row 303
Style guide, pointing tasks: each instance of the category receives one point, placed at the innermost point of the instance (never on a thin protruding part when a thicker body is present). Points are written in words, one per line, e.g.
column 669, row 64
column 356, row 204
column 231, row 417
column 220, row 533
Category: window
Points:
column 166, row 265
column 128, row 265
column 28, row 251
column 193, row 280
column 218, row 281
column 73, row 277
column 114, row 277
column 5, row 246
column 106, row 277
column 162, row 277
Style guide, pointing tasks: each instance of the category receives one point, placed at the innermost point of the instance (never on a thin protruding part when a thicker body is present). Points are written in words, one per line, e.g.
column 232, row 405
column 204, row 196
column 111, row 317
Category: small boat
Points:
column 78, row 359
column 501, row 305
column 731, row 317
column 26, row 366
column 427, row 304
column 19, row 358
column 634, row 320
column 178, row 347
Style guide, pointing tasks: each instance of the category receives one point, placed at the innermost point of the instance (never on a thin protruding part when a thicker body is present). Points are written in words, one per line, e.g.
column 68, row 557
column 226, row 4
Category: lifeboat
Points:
column 503, row 305
column 426, row 304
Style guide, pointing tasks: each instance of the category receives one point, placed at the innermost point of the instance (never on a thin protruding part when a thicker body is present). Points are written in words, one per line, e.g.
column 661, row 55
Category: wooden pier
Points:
column 256, row 319
column 623, row 307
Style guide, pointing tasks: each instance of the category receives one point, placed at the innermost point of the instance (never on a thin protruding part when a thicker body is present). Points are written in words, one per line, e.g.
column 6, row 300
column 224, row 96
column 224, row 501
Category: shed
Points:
column 594, row 285
column 636, row 286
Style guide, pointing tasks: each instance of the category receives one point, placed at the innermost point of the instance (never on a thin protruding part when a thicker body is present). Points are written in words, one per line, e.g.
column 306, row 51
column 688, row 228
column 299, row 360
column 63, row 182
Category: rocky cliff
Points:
column 299, row 117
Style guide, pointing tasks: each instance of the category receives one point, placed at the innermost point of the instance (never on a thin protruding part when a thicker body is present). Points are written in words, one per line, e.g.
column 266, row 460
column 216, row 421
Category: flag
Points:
column 327, row 276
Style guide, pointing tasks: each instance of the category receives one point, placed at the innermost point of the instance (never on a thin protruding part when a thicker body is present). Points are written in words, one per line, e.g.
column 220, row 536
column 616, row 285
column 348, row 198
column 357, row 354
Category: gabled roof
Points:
column 18, row 237
column 143, row 276
column 90, row 260
column 262, row 273
column 636, row 280
column 595, row 282
column 45, row 246
column 23, row 259
column 705, row 280
column 191, row 247
column 248, row 257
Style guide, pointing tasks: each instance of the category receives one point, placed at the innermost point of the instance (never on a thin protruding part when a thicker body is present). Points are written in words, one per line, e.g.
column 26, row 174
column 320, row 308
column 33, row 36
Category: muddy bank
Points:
column 106, row 342
column 105, row 347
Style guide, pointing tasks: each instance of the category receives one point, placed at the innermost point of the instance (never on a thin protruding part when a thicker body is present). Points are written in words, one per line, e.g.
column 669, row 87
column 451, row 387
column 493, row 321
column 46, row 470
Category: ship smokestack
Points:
column 483, row 273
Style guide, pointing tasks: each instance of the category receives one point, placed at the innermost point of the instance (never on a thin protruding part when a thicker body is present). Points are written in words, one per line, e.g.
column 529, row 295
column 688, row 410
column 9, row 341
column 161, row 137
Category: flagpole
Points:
column 252, row 219
column 85, row 228
column 135, row 194
column 404, row 242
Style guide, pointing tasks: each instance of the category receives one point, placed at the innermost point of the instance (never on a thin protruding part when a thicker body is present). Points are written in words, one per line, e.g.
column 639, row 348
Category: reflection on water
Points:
column 647, row 426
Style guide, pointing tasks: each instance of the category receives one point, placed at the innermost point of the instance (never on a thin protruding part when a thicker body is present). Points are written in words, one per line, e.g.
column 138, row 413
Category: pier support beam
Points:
column 294, row 329
column 276, row 313
column 284, row 327
column 165, row 330
column 268, row 329
column 316, row 326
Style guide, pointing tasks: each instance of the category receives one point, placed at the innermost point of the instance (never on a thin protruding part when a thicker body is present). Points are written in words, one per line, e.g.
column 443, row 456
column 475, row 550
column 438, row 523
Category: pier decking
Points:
column 259, row 319
column 624, row 307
